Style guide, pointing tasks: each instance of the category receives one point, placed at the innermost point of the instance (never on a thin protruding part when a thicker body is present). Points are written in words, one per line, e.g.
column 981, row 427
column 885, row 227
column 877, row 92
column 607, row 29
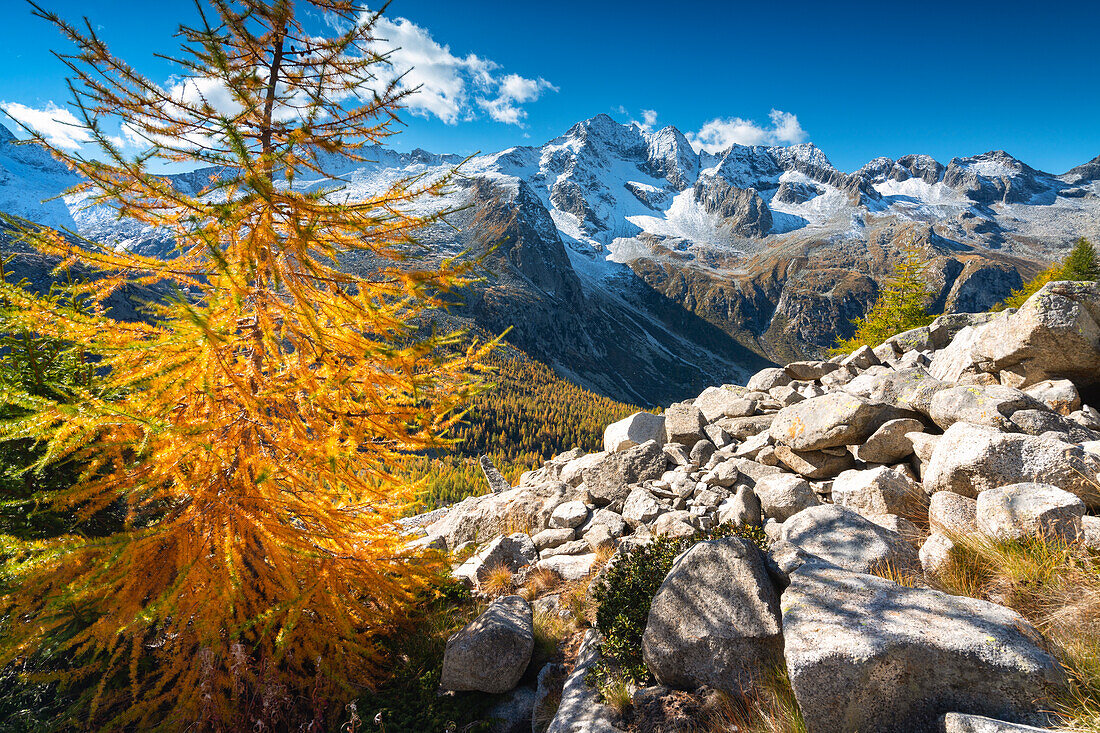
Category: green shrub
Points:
column 624, row 596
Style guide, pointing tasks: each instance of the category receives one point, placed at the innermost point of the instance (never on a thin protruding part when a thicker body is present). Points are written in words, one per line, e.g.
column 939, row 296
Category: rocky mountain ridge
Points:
column 864, row 471
column 626, row 252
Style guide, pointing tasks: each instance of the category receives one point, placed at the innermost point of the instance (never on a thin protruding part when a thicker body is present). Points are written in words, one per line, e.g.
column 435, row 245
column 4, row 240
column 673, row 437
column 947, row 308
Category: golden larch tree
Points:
column 251, row 425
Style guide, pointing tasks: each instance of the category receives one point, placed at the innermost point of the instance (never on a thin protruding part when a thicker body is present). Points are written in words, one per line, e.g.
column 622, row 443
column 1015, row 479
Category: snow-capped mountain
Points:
column 640, row 267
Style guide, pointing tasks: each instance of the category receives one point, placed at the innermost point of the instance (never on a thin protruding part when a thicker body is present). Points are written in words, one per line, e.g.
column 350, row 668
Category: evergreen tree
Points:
column 1081, row 263
column 251, row 429
column 901, row 304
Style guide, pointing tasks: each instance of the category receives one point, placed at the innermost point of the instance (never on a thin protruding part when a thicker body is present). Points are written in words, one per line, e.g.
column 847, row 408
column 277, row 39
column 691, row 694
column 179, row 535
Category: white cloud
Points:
column 649, row 119
column 514, row 90
column 58, row 125
column 718, row 134
column 453, row 88
column 786, row 127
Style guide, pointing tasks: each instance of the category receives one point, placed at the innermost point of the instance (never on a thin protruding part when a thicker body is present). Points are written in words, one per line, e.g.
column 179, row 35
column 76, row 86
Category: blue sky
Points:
column 858, row 79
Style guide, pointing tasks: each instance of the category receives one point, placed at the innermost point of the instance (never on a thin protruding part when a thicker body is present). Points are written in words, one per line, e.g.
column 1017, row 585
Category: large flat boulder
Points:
column 715, row 619
column 490, row 653
column 969, row 459
column 477, row 518
column 609, row 480
column 1054, row 335
column 846, row 539
column 835, row 419
column 865, row 654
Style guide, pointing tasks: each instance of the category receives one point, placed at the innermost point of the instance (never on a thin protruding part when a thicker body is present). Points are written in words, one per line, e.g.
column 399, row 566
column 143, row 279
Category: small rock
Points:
column 599, row 538
column 634, row 430
column 752, row 446
column 718, row 436
column 614, row 522
column 923, row 445
column 569, row 567
column 889, row 443
column 569, row 514
column 809, row 371
column 678, row 455
column 813, row 464
column 490, row 653
column 684, row 424
column 902, row 526
column 714, row 401
column 845, row 539
column 952, row 514
column 548, row 538
column 960, row 723
column 783, row 495
column 786, row 395
column 1090, row 532
column 765, row 379
column 1060, row 395
column 725, row 475
column 702, row 452
column 880, row 490
column 512, row 551
column 674, row 524
column 743, row 428
column 573, row 547
column 935, row 553
column 1029, row 510
column 742, row 509
column 861, row 358
column 640, row 507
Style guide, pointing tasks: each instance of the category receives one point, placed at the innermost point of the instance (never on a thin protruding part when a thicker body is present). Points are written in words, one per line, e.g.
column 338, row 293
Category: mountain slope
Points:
column 642, row 269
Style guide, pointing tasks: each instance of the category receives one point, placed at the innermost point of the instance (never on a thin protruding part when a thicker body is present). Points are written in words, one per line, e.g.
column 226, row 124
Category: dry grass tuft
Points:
column 541, row 581
column 770, row 708
column 498, row 581
column 901, row 576
column 551, row 629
